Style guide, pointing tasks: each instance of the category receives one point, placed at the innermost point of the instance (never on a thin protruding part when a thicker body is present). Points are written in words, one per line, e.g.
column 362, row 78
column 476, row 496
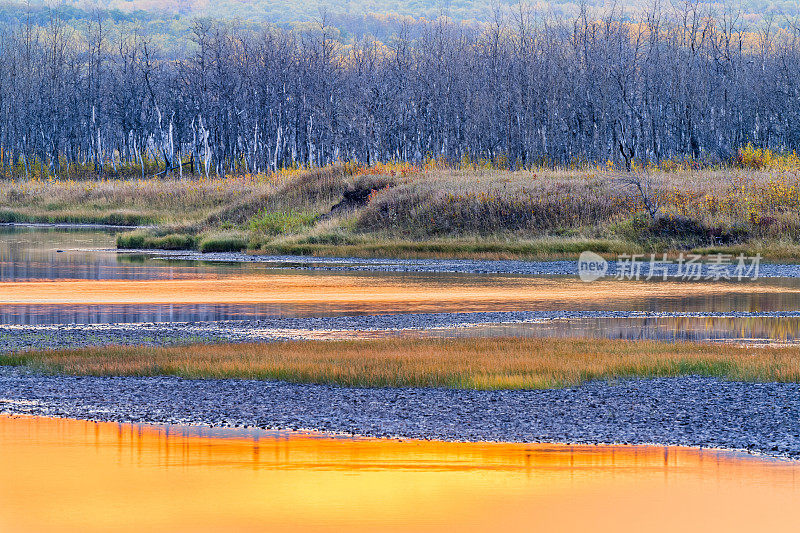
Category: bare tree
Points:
column 640, row 182
column 529, row 88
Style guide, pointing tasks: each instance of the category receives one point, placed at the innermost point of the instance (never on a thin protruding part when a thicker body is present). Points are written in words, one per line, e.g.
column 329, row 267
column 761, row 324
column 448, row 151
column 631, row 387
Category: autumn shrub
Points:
column 753, row 158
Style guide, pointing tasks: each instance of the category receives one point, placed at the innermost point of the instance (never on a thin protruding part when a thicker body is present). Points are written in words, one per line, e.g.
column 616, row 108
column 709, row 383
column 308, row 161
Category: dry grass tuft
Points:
column 439, row 211
column 504, row 363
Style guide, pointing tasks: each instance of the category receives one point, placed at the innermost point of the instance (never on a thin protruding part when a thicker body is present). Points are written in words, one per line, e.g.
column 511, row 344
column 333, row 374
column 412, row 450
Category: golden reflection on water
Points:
column 379, row 292
column 68, row 475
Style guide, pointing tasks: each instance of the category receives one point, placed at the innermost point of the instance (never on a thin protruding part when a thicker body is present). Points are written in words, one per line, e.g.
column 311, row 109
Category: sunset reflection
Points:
column 70, row 475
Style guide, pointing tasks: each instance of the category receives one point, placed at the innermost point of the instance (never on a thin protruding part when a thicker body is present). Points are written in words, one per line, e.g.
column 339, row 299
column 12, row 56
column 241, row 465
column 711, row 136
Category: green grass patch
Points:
column 225, row 241
column 113, row 218
column 367, row 247
column 281, row 222
column 143, row 239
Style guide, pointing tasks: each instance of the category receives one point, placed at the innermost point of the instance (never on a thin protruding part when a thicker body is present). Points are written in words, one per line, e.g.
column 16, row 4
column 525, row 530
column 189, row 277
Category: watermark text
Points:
column 685, row 267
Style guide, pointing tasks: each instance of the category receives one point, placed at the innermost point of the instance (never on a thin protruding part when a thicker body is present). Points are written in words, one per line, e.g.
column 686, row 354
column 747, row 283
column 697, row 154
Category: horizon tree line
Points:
column 520, row 91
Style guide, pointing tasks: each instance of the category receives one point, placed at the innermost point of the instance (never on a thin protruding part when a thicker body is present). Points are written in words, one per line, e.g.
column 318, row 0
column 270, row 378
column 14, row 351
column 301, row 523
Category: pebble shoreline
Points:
column 55, row 336
column 761, row 418
column 465, row 266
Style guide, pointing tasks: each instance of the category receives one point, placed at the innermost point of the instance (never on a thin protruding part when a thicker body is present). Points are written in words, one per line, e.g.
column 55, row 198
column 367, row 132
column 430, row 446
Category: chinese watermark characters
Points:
column 684, row 267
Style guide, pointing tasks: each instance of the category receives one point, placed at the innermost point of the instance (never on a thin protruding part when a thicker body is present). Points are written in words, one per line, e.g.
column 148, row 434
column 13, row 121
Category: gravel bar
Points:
column 762, row 418
column 55, row 336
column 468, row 266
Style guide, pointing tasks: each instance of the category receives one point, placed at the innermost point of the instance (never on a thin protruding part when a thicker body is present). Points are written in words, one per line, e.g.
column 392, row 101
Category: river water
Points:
column 52, row 276
column 68, row 475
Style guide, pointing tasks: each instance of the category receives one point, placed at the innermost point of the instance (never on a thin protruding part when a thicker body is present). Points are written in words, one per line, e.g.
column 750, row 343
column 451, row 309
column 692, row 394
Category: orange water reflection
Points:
column 76, row 476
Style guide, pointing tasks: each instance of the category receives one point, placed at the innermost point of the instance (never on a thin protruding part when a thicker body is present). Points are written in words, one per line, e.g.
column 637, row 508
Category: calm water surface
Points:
column 36, row 253
column 672, row 329
column 65, row 475
column 45, row 258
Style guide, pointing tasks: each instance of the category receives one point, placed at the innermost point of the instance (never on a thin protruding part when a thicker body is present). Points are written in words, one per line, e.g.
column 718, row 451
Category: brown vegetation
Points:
column 439, row 211
column 457, row 363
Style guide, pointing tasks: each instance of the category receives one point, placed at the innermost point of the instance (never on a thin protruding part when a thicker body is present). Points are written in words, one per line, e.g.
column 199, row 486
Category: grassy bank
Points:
column 165, row 202
column 541, row 248
column 402, row 210
column 455, row 363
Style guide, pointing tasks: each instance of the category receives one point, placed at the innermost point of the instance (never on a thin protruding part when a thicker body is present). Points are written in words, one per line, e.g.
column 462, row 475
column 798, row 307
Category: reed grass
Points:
column 502, row 363
column 223, row 241
column 465, row 248
column 441, row 211
column 141, row 239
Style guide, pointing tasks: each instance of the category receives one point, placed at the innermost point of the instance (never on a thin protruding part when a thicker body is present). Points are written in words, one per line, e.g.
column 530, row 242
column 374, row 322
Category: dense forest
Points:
column 519, row 90
column 294, row 11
